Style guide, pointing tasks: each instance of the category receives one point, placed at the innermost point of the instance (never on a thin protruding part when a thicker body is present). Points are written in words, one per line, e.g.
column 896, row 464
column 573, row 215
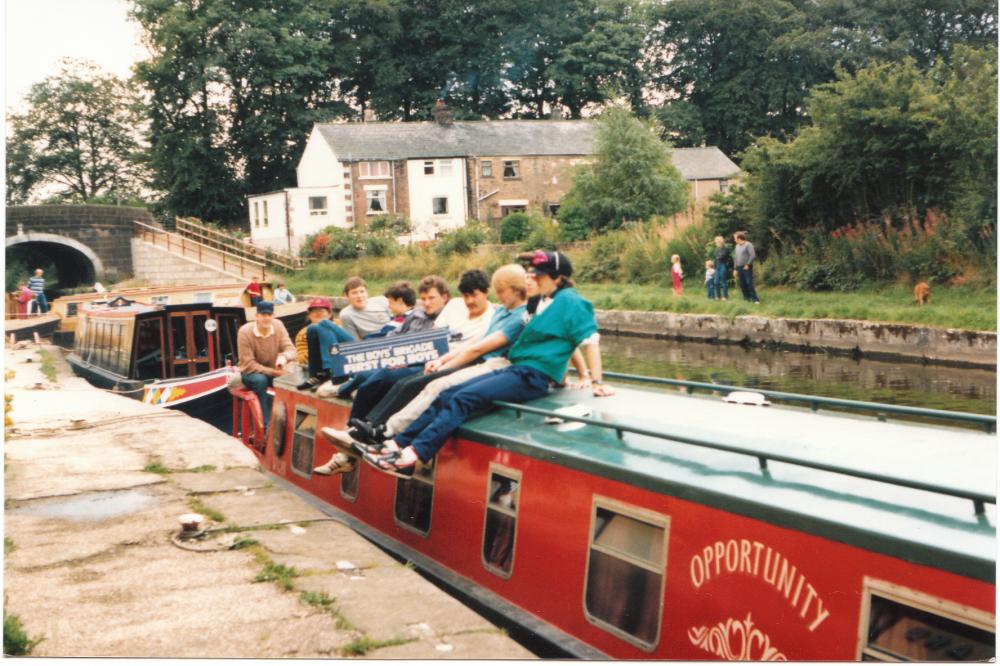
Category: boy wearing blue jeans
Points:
column 539, row 358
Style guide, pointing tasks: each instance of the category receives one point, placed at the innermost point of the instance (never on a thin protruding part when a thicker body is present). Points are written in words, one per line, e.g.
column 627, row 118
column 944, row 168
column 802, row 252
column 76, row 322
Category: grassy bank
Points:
column 951, row 307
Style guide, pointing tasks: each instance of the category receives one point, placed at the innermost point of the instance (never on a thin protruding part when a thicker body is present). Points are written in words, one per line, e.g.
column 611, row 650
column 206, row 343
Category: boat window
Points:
column 625, row 571
column 178, row 338
column 149, row 350
column 349, row 482
column 201, row 344
column 229, row 326
column 71, row 309
column 278, row 433
column 118, row 349
column 303, row 441
column 414, row 498
column 500, row 526
column 911, row 626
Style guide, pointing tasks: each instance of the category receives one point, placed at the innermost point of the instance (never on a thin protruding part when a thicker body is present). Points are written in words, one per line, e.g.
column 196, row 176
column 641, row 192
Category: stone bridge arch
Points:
column 84, row 242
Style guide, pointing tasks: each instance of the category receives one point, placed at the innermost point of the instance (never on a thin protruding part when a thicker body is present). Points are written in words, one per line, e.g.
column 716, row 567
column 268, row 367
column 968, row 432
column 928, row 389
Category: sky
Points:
column 38, row 33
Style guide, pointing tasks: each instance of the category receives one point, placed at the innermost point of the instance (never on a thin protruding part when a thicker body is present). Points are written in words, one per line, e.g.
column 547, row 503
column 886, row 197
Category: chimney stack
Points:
column 442, row 114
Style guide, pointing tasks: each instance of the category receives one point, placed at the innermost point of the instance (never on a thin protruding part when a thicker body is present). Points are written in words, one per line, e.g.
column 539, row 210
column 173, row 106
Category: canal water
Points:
column 891, row 382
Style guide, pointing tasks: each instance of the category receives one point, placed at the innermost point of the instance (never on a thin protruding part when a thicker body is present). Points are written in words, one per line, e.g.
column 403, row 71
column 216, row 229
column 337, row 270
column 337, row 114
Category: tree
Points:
column 235, row 89
column 79, row 135
column 630, row 179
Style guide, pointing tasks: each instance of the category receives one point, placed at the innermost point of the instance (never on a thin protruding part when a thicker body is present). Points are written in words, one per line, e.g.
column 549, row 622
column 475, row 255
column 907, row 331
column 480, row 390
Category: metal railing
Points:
column 220, row 240
column 979, row 499
column 986, row 422
column 203, row 254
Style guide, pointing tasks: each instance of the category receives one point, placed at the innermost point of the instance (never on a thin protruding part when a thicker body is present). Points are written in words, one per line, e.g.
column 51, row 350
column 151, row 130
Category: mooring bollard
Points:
column 13, row 339
column 38, row 340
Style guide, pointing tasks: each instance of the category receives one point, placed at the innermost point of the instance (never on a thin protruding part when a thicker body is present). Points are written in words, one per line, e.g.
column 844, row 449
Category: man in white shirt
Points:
column 468, row 319
column 363, row 315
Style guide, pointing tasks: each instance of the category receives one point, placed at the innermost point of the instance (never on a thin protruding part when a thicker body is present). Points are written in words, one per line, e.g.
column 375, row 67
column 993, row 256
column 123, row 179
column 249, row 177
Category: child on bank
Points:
column 676, row 274
column 710, row 279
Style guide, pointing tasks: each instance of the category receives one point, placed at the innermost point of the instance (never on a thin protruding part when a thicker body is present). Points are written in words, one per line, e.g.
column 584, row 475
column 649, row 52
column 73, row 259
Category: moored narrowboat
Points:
column 668, row 525
column 176, row 356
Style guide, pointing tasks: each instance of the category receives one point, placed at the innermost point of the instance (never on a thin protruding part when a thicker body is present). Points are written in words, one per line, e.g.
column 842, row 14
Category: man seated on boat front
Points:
column 539, row 358
column 363, row 315
column 409, row 397
column 264, row 349
column 282, row 295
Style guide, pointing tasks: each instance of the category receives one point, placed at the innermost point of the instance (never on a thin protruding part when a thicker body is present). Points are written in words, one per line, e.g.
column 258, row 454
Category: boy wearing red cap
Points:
column 320, row 335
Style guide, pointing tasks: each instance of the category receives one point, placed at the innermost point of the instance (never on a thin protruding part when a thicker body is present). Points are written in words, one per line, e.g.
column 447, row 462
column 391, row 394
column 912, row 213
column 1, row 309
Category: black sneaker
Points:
column 368, row 432
column 314, row 381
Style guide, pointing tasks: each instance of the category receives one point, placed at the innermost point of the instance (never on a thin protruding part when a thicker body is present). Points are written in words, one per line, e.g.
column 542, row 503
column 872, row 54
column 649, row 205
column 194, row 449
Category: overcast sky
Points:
column 38, row 33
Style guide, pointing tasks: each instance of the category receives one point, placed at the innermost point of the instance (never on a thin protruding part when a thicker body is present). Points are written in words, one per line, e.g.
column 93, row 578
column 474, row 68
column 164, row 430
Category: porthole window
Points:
column 414, row 499
column 503, row 494
column 899, row 624
column 278, row 423
column 626, row 564
column 303, row 441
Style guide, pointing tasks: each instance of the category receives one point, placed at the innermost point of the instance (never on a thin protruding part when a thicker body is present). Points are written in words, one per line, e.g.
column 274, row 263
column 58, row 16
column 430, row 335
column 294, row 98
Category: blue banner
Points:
column 395, row 351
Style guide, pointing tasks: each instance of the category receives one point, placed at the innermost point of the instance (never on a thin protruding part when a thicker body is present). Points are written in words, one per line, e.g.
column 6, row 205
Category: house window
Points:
column 507, row 210
column 899, row 624
column 553, row 209
column 265, row 213
column 724, row 185
column 303, row 441
column 445, row 166
column 317, row 205
column 500, row 527
column 512, row 169
column 440, row 205
column 376, row 201
column 256, row 213
column 429, row 168
column 374, row 170
column 487, row 168
column 414, row 499
column 625, row 566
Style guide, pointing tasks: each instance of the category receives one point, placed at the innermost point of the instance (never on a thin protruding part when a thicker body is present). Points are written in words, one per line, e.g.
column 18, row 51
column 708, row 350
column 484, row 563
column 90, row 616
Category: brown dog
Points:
column 922, row 293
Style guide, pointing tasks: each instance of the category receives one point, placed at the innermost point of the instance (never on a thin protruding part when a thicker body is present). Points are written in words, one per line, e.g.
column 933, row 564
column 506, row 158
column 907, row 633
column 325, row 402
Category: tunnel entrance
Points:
column 66, row 267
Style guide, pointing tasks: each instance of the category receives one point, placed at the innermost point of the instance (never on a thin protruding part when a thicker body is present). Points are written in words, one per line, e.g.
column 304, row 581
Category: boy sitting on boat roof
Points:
column 264, row 349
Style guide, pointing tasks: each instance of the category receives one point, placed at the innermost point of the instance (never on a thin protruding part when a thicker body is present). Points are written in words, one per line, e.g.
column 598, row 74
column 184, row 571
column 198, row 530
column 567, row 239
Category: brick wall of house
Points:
column 542, row 181
column 398, row 201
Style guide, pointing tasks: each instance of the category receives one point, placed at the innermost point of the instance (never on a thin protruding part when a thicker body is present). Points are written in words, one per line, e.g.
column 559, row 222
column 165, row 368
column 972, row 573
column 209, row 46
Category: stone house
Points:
column 440, row 173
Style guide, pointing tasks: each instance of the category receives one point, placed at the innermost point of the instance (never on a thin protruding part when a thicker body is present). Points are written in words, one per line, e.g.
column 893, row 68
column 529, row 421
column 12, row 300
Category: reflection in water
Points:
column 892, row 382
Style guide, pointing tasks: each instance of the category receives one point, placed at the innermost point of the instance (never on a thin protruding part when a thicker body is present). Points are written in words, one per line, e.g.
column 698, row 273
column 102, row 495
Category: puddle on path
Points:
column 91, row 506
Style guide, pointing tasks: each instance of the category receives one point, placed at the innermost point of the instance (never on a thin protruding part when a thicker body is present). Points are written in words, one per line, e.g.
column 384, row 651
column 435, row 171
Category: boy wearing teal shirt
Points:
column 563, row 321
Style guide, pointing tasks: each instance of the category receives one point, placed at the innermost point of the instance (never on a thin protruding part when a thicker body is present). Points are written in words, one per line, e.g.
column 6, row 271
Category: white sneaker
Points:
column 326, row 390
column 339, row 435
column 338, row 464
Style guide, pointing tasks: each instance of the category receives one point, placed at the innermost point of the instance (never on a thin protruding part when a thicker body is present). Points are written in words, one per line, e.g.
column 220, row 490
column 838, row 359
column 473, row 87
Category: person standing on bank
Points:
column 723, row 264
column 264, row 349
column 744, row 257
column 37, row 285
column 676, row 274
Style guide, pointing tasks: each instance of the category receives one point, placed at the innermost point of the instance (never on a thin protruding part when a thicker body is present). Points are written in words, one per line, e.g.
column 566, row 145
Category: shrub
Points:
column 515, row 227
column 16, row 641
column 380, row 244
column 397, row 225
column 544, row 235
column 462, row 240
column 602, row 261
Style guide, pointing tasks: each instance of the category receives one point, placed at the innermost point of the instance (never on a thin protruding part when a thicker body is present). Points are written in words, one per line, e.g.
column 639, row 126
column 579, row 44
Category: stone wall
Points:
column 106, row 230
column 161, row 268
column 937, row 345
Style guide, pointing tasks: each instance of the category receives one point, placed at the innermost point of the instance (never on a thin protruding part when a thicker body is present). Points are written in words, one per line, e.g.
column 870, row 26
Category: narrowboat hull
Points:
column 737, row 578
column 25, row 329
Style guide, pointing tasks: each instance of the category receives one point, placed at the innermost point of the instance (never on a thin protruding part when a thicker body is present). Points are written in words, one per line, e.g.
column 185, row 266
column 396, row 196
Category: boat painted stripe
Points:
column 449, row 577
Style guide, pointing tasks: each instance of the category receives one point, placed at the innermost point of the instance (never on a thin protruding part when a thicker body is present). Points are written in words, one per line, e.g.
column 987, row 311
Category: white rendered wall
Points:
column 424, row 188
column 273, row 233
column 319, row 166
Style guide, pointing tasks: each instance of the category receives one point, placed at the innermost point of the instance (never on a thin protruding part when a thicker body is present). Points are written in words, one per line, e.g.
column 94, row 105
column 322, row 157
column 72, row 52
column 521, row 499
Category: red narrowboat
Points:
column 676, row 525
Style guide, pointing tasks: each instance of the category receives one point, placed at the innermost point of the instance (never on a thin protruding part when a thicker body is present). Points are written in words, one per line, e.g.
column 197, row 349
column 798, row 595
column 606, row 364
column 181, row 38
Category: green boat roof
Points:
column 917, row 525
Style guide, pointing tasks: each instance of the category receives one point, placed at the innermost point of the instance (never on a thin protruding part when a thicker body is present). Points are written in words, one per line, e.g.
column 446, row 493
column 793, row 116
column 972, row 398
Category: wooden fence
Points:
column 204, row 254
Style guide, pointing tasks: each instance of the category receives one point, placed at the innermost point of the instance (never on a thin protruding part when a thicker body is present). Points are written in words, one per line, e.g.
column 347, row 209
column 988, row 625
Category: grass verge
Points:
column 951, row 307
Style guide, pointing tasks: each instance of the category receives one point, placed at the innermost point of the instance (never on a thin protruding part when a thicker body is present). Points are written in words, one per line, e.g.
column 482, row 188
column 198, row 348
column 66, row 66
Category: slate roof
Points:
column 358, row 142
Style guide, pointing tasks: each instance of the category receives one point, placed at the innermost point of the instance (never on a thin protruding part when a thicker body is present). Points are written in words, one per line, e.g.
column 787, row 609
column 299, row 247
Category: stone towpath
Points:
column 94, row 485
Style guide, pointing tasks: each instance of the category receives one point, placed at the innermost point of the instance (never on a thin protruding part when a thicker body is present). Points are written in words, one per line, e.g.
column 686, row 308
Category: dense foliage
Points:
column 630, row 178
column 78, row 136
